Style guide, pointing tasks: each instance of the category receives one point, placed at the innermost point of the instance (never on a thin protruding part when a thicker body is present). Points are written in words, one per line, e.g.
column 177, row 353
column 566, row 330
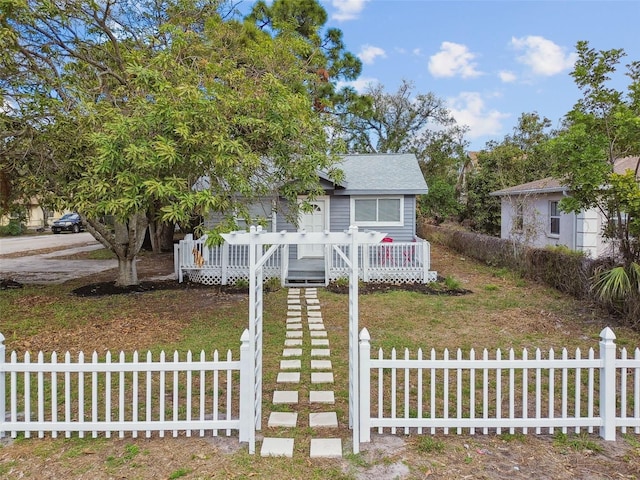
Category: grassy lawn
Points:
column 502, row 311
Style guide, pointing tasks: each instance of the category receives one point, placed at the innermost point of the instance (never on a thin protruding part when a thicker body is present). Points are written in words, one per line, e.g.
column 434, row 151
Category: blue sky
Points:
column 490, row 60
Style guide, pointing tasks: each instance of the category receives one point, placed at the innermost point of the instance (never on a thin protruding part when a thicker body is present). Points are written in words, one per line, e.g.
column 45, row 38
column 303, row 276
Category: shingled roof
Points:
column 553, row 185
column 381, row 174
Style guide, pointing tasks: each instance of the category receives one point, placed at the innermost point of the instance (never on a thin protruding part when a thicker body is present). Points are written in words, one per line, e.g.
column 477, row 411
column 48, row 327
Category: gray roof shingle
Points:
column 381, row 174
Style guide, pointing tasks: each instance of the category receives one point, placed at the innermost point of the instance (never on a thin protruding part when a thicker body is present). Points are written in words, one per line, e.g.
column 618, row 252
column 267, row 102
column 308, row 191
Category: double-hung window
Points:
column 377, row 211
column 554, row 218
column 518, row 219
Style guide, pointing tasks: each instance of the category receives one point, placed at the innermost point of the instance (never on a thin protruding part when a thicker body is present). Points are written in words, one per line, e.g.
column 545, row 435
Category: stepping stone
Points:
column 288, row 377
column 314, row 333
column 283, row 419
column 314, row 313
column 293, row 291
column 312, row 307
column 293, row 334
column 320, row 352
column 293, row 301
column 318, row 364
column 319, row 342
column 295, row 307
column 290, row 365
column 294, row 326
column 320, row 377
column 315, row 320
column 285, row 396
column 326, row 448
column 322, row 419
column 312, row 301
column 292, row 313
column 277, row 447
column 292, row 352
column 293, row 342
column 310, row 289
column 316, row 326
column 321, row 396
column 294, row 319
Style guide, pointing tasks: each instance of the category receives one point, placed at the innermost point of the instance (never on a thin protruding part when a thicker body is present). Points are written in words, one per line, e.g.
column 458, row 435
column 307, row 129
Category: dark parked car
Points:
column 70, row 222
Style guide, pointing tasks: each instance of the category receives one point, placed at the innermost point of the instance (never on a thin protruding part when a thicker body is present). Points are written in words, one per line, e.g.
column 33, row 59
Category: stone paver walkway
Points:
column 303, row 304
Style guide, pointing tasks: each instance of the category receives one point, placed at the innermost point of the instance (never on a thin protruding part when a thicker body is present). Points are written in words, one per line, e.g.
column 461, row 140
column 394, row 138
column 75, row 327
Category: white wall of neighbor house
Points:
column 581, row 232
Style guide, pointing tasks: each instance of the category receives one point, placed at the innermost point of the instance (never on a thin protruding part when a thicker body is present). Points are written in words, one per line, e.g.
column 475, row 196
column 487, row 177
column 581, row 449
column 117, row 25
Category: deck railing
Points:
column 397, row 262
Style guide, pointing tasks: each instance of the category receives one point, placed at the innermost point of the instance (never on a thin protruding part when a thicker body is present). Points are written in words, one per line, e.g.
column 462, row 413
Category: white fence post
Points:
column 365, row 386
column 246, row 393
column 3, row 391
column 608, row 384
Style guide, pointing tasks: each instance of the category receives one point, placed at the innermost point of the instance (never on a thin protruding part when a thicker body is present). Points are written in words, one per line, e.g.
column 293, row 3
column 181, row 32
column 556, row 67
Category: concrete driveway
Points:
column 21, row 261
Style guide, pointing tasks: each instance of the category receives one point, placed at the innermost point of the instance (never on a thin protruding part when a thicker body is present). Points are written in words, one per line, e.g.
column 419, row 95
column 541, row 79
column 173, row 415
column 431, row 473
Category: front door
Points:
column 314, row 221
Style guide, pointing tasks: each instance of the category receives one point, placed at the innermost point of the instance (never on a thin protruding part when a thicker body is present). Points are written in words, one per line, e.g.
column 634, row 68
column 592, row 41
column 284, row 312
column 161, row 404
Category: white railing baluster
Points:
column 380, row 390
column 498, row 390
column 149, row 386
column 81, row 392
column 525, row 390
column 94, row 393
column 485, row 389
column 407, row 387
column 591, row 387
column 54, row 395
column 636, row 395
column 27, row 395
column 433, row 389
column 215, row 393
column 512, row 389
column 176, row 400
column 565, row 395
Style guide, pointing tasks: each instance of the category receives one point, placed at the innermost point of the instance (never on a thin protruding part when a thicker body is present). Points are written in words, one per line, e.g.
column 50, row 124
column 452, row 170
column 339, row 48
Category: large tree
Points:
column 602, row 128
column 138, row 102
column 519, row 158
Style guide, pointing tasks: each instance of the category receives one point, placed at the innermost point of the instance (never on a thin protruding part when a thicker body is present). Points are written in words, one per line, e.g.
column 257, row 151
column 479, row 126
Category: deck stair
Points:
column 306, row 273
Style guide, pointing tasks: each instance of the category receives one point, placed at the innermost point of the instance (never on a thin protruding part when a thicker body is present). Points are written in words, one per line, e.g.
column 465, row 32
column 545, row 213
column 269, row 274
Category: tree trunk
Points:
column 127, row 272
column 125, row 241
column 166, row 237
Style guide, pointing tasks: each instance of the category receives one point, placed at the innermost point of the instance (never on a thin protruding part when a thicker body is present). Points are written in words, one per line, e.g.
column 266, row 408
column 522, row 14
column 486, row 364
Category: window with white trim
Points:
column 554, row 218
column 377, row 211
column 518, row 219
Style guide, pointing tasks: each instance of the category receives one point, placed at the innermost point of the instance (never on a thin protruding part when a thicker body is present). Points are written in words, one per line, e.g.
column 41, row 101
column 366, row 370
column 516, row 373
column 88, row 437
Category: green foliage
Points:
column 601, row 129
column 617, row 284
column 451, row 283
column 241, row 283
column 136, row 117
column 521, row 157
column 577, row 443
column 428, row 444
column 13, row 228
column 181, row 472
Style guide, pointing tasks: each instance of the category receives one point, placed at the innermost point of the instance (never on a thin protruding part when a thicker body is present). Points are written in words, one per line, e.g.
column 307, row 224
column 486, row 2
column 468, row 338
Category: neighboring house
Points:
column 37, row 215
column 530, row 214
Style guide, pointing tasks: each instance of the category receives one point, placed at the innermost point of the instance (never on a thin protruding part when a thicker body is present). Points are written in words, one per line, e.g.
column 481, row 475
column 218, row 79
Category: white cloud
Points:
column 347, row 9
column 417, row 52
column 369, row 53
column 453, row 59
column 469, row 108
column 507, row 76
column 360, row 85
column 543, row 56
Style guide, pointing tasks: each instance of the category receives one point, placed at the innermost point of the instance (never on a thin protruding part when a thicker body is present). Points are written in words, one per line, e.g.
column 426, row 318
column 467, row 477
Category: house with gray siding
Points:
column 378, row 193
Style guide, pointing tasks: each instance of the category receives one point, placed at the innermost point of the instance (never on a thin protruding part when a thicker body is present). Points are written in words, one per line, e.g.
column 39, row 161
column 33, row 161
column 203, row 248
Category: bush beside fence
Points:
column 568, row 271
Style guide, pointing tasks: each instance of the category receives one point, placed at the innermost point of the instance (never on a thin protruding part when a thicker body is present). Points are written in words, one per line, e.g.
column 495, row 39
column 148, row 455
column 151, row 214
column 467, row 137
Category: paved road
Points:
column 49, row 267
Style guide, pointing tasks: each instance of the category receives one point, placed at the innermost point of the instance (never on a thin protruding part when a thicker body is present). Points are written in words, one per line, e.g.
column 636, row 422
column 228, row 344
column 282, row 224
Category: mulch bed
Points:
column 110, row 288
column 435, row 288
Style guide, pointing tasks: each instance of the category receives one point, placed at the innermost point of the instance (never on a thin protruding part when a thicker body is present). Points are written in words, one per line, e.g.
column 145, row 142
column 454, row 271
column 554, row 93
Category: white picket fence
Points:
column 482, row 394
column 199, row 394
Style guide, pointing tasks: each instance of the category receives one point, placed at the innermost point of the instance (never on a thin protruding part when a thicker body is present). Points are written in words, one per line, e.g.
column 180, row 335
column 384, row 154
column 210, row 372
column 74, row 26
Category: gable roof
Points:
column 546, row 185
column 553, row 185
column 381, row 174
